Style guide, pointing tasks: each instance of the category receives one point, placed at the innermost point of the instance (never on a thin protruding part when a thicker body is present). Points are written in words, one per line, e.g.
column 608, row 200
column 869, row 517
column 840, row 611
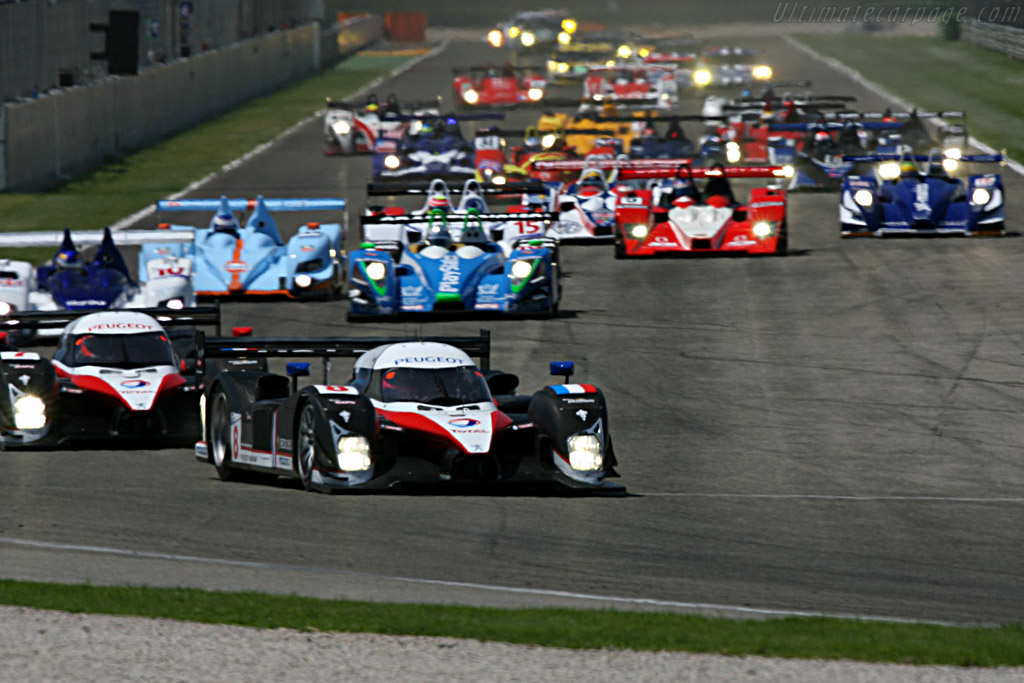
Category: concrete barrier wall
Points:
column 1006, row 39
column 342, row 39
column 72, row 131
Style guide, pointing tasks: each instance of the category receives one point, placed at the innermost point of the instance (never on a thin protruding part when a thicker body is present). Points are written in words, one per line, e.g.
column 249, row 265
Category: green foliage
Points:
column 817, row 638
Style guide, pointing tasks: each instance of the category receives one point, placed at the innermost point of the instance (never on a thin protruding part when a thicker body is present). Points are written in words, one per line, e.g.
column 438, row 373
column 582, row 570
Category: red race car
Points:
column 677, row 217
column 483, row 86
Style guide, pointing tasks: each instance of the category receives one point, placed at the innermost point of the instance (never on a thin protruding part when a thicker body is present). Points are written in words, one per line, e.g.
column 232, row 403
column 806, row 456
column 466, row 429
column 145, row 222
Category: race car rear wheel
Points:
column 219, row 437
column 306, row 448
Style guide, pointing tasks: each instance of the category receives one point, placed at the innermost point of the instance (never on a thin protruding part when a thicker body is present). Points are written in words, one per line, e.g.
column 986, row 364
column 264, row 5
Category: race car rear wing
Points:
column 687, row 171
column 85, row 238
column 608, row 164
column 965, row 158
column 834, row 125
column 904, row 115
column 327, row 347
column 167, row 317
column 290, row 204
column 422, row 188
column 501, row 70
column 495, row 217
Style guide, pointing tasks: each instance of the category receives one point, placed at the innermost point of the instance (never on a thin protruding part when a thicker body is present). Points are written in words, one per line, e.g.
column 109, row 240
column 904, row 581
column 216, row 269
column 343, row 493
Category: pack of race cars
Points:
column 493, row 208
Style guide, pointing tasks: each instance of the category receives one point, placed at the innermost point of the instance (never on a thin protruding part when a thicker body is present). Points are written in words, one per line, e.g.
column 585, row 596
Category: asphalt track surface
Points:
column 837, row 431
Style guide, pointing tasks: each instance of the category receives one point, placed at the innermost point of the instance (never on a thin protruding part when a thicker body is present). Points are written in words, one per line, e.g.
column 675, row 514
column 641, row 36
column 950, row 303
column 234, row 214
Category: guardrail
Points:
column 1006, row 39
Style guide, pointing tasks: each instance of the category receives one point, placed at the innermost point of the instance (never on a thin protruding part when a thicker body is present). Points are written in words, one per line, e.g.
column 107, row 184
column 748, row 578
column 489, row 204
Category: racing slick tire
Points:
column 306, row 448
column 220, row 436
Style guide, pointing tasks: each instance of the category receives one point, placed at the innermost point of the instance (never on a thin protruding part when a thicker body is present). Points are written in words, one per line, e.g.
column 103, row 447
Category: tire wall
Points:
column 73, row 130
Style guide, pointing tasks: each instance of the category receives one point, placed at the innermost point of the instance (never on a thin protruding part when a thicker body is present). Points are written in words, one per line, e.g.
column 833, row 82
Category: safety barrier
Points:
column 350, row 34
column 1006, row 39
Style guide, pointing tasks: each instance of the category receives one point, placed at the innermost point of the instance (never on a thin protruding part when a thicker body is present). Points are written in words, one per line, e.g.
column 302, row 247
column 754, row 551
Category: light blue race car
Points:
column 433, row 273
column 235, row 261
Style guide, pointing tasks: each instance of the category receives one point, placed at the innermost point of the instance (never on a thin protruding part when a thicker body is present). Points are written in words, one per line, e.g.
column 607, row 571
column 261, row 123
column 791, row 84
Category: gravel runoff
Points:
column 41, row 645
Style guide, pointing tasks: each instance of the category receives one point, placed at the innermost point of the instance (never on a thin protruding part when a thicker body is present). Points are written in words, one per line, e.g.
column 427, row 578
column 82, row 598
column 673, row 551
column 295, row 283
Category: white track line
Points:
column 128, row 221
column 647, row 602
column 858, row 77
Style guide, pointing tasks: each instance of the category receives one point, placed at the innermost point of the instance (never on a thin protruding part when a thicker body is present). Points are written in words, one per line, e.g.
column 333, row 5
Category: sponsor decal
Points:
column 580, row 400
column 236, row 266
column 24, row 379
column 582, row 415
column 284, row 444
column 412, row 290
column 464, row 422
column 284, row 462
column 921, row 198
column 741, row 241
column 345, row 415
column 19, row 355
column 11, row 282
column 488, row 289
column 450, row 274
column 307, row 248
column 99, row 327
column 134, row 384
column 86, row 302
column 987, row 181
column 429, row 359
column 173, row 270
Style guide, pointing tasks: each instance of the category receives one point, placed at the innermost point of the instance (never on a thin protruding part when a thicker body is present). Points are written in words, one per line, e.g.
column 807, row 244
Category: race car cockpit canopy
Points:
column 422, row 372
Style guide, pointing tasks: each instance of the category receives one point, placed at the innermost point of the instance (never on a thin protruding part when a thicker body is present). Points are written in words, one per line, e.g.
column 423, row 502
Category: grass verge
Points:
column 121, row 188
column 984, row 83
column 813, row 638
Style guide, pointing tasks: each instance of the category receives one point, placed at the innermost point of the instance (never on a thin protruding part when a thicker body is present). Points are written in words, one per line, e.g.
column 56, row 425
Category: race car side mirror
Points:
column 295, row 371
column 502, row 383
column 189, row 366
column 562, row 368
column 414, row 234
column 241, row 331
column 497, row 233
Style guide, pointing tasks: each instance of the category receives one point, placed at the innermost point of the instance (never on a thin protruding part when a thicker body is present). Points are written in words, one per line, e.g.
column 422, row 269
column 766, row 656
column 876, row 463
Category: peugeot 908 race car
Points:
column 414, row 412
column 115, row 376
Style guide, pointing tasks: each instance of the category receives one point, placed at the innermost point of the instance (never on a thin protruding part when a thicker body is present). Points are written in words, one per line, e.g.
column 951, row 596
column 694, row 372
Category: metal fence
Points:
column 1006, row 39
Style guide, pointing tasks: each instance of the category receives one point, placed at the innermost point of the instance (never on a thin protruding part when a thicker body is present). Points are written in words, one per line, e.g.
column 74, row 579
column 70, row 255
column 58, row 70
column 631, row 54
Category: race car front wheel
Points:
column 306, row 446
column 220, row 436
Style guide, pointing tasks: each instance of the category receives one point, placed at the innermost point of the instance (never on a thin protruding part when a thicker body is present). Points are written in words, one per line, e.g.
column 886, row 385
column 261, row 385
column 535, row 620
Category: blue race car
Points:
column 922, row 195
column 433, row 273
column 430, row 148
column 235, row 261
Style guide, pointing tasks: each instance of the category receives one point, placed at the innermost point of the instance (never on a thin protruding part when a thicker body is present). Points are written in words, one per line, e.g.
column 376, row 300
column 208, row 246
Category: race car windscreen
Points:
column 122, row 350
column 435, row 386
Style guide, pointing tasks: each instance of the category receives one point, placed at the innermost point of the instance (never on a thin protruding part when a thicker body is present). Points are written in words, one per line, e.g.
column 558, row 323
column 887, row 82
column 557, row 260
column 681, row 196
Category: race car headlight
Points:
column 202, row 415
column 522, row 269
column 548, row 141
column 953, row 153
column 303, row 281
column 761, row 72
column 950, row 165
column 562, row 67
column 569, row 25
column 732, row 152
column 341, row 128
column 354, row 453
column 513, row 32
column 495, row 38
column 889, row 170
column 624, row 52
column 29, row 413
column 534, row 94
column 864, row 198
column 564, row 38
column 527, row 39
column 980, row 196
column 470, row 96
column 762, row 229
column 701, row 77
column 643, row 52
column 498, row 180
column 391, row 161
column 5, row 308
column 173, row 304
column 786, row 171
column 375, row 270
column 638, row 231
column 585, row 452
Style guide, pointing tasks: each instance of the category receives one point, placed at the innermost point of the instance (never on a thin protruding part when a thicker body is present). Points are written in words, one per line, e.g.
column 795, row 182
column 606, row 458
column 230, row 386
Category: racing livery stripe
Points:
column 563, row 389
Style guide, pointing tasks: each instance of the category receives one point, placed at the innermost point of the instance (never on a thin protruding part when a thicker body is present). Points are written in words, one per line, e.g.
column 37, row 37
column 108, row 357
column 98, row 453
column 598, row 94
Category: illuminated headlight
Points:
column 353, row 453
column 889, row 170
column 552, row 66
column 569, row 26
column 29, row 413
column 701, row 77
column 562, row 67
column 174, row 304
column 564, row 38
column 786, row 171
column 513, row 32
column 980, row 196
column 527, row 39
column 732, row 152
column 521, row 269
column 761, row 72
column 610, row 62
column 949, row 165
column 644, row 52
column 762, row 229
column 534, row 94
column 624, row 51
column 375, row 270
column 548, row 141
column 495, row 38
column 585, row 452
column 391, row 161
column 5, row 308
column 864, row 198
column 341, row 128
column 953, row 153
column 498, row 180
column 303, row 281
column 638, row 231
column 202, row 414
column 471, row 96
